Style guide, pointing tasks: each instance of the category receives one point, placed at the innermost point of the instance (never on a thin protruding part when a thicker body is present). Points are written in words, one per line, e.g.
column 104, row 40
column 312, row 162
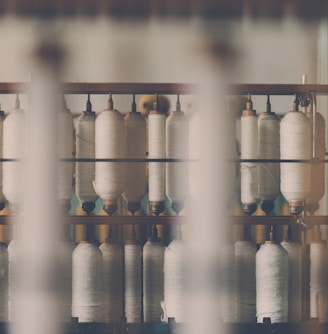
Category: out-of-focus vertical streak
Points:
column 209, row 210
column 35, row 309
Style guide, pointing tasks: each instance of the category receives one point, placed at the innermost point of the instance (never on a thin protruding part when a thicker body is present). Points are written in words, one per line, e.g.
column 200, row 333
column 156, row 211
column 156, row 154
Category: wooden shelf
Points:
column 169, row 88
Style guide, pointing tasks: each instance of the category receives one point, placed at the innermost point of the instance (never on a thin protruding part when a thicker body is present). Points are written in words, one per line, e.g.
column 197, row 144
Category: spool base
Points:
column 88, row 207
column 296, row 207
column 267, row 206
column 64, row 206
column 2, row 205
column 110, row 206
column 15, row 207
column 312, row 207
column 157, row 207
column 249, row 208
column 178, row 206
column 133, row 207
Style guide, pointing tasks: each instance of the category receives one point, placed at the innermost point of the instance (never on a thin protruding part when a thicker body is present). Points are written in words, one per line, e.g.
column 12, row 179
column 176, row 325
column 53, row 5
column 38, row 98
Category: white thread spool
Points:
column 135, row 183
column 249, row 150
column 294, row 251
column 295, row 143
column 14, row 147
column 110, row 144
column 245, row 252
column 153, row 280
column 317, row 170
column 156, row 150
column 269, row 148
column 65, row 151
column 176, row 280
column 112, row 254
column 229, row 284
column 272, row 283
column 318, row 280
column 3, row 283
column 2, row 197
column 65, row 251
column 133, row 282
column 87, row 287
column 176, row 148
column 85, row 148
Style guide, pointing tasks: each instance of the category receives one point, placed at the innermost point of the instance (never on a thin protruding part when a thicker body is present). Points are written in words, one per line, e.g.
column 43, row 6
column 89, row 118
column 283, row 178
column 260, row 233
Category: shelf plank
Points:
column 169, row 88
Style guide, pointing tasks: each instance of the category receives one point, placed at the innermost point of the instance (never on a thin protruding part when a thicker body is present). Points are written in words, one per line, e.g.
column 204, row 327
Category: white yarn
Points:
column 133, row 282
column 249, row 150
column 135, row 184
column 14, row 147
column 110, row 144
column 87, row 287
column 176, row 148
column 272, row 283
column 269, row 148
column 65, row 151
column 318, row 170
column 112, row 254
column 156, row 149
column 245, row 252
column 318, row 281
column 228, row 285
column 153, row 280
column 64, row 253
column 176, row 281
column 294, row 250
column 295, row 143
column 3, row 283
column 85, row 148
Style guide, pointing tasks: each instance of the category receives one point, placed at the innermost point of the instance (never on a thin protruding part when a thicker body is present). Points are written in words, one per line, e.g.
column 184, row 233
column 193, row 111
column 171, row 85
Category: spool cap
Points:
column 249, row 208
column 267, row 206
column 133, row 207
column 88, row 207
column 157, row 207
column 178, row 206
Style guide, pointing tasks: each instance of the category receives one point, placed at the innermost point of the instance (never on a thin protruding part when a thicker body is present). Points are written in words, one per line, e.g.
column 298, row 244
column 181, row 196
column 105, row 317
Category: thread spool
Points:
column 318, row 277
column 229, row 284
column 249, row 150
column 269, row 148
column 153, row 279
column 110, row 143
column 85, row 148
column 295, row 143
column 176, row 148
column 2, row 197
column 65, row 151
column 133, row 281
column 175, row 280
column 156, row 150
column 272, row 282
column 87, row 287
column 317, row 169
column 112, row 254
column 135, row 185
column 64, row 252
column 14, row 147
column 294, row 251
column 246, row 284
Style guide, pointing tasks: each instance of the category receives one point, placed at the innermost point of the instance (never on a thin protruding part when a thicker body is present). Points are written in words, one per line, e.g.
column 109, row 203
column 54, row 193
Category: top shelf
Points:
column 170, row 88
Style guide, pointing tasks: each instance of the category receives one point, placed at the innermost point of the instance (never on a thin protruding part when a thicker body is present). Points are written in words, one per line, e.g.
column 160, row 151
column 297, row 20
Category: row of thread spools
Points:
column 108, row 135
column 108, row 283
column 286, row 282
column 298, row 136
